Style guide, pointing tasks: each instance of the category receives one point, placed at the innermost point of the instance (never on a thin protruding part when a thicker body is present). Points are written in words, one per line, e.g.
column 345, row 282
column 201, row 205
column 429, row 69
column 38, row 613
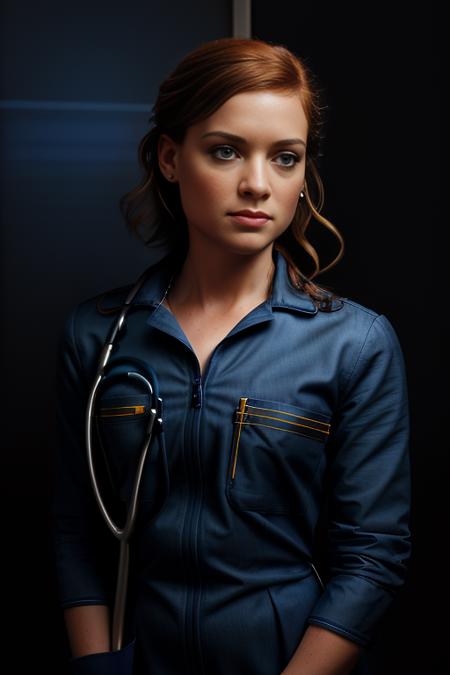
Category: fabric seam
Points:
column 348, row 631
column 346, row 386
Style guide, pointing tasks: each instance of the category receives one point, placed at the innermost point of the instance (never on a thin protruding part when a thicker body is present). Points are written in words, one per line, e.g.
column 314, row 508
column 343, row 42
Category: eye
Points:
column 292, row 156
column 220, row 148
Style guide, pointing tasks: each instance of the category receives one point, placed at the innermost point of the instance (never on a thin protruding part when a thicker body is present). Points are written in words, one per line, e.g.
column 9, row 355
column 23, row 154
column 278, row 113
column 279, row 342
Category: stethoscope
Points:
column 154, row 425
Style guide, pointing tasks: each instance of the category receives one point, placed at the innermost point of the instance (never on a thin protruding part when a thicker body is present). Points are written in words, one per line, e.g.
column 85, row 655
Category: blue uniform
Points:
column 297, row 407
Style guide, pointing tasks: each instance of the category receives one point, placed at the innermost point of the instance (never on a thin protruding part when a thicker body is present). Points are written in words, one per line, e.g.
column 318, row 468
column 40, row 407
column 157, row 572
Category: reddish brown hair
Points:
column 201, row 82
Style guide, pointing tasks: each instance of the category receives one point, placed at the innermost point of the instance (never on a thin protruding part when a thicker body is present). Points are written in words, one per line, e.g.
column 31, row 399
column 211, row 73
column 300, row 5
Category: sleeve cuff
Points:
column 351, row 606
column 65, row 604
column 355, row 637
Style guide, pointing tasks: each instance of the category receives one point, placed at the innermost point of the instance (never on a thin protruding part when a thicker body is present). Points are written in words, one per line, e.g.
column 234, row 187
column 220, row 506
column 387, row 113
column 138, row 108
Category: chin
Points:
column 247, row 248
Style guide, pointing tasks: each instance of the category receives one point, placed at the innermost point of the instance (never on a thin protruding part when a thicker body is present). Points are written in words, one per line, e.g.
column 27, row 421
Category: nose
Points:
column 254, row 179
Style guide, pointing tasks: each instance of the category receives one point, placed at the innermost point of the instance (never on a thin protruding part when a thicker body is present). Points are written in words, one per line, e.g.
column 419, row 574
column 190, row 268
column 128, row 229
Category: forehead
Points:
column 257, row 116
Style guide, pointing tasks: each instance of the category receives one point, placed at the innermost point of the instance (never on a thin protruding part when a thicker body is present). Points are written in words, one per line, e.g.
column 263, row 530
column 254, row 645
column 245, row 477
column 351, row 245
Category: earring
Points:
column 301, row 195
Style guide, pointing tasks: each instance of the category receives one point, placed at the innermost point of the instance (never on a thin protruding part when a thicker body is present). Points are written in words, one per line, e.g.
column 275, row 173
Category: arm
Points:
column 88, row 629
column 368, row 489
column 85, row 551
column 323, row 652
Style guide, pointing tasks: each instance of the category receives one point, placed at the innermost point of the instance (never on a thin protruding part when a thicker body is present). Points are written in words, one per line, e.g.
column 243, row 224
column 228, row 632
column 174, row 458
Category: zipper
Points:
column 195, row 664
column 189, row 619
column 197, row 392
column 189, row 536
column 237, row 433
column 122, row 411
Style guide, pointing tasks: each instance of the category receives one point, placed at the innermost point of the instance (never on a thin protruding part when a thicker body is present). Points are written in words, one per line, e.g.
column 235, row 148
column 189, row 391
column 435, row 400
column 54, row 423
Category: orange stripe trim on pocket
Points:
column 122, row 411
column 283, row 412
column 290, row 431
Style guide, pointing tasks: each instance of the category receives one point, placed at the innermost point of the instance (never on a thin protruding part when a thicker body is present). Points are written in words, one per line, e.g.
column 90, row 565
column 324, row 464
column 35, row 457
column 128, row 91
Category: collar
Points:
column 159, row 275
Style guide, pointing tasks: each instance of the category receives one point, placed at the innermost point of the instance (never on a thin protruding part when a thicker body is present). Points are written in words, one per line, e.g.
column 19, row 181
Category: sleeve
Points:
column 368, row 543
column 84, row 547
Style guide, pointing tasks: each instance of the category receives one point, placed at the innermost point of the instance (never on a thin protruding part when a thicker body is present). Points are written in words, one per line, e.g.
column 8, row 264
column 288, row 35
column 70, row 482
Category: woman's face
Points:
column 219, row 175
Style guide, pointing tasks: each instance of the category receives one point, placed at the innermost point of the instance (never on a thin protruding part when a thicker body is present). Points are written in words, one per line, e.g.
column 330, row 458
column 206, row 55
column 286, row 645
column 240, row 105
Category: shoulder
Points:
column 357, row 319
column 87, row 323
column 97, row 311
column 368, row 321
column 347, row 316
column 101, row 308
column 84, row 332
column 373, row 348
column 86, row 327
column 360, row 336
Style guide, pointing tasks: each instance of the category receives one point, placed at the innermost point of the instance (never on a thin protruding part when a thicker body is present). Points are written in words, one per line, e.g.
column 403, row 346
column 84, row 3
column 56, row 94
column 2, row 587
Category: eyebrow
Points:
column 239, row 139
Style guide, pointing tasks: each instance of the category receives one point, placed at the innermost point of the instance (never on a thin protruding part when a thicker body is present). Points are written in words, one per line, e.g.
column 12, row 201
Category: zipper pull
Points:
column 197, row 394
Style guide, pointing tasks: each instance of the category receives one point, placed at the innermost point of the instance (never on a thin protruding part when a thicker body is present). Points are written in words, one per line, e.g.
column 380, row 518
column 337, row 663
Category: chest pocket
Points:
column 274, row 455
column 121, row 422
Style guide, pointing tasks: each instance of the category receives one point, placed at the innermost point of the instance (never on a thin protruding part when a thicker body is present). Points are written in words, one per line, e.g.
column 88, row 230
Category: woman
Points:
column 282, row 402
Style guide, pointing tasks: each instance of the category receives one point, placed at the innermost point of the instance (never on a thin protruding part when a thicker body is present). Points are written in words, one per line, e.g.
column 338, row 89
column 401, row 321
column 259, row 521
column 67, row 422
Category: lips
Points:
column 251, row 214
column 250, row 221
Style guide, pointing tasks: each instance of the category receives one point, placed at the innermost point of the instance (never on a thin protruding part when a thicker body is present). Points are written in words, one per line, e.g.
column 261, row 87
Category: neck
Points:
column 222, row 282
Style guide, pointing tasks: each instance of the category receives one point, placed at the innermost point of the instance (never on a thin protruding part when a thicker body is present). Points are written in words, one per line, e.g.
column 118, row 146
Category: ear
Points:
column 167, row 151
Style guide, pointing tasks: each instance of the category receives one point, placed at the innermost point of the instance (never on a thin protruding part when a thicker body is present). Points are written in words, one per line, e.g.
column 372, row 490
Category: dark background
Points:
column 77, row 85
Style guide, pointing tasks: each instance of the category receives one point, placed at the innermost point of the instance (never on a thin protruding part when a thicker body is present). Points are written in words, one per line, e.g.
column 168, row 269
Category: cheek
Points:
column 212, row 188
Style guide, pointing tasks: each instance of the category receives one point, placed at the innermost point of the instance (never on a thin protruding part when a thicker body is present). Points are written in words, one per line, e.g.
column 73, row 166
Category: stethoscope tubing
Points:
column 122, row 534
